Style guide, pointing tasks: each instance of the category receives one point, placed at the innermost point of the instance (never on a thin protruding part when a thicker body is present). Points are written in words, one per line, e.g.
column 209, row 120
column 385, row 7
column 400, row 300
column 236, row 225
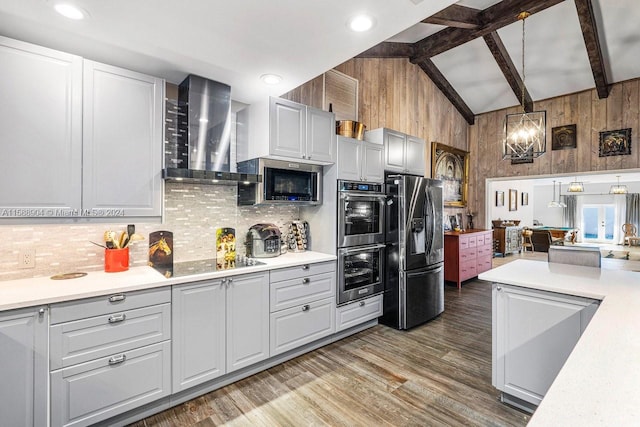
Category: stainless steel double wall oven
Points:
column 361, row 248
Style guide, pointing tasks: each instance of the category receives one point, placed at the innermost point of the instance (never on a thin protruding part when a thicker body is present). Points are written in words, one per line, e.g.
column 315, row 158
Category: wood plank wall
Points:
column 590, row 114
column 396, row 94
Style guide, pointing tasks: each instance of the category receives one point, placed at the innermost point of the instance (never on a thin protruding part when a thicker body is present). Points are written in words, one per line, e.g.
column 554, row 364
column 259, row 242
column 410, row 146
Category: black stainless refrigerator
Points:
column 414, row 285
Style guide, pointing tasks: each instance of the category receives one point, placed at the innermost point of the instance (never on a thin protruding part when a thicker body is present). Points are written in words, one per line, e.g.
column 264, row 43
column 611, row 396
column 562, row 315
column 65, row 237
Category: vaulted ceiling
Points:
column 472, row 50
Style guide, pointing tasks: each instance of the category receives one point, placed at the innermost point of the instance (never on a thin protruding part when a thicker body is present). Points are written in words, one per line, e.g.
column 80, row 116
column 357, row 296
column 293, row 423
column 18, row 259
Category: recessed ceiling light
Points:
column 361, row 23
column 70, row 11
column 271, row 79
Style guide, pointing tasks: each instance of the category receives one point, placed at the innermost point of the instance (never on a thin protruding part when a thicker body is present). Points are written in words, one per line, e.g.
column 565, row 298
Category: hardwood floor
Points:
column 437, row 374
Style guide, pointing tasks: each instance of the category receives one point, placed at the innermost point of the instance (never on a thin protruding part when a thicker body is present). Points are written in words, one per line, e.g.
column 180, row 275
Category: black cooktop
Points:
column 188, row 268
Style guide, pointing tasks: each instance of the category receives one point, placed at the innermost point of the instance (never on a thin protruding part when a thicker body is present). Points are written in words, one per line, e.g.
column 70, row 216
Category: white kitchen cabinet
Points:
column 198, row 333
column 109, row 354
column 24, row 369
column 402, row 153
column 219, row 326
column 302, row 305
column 360, row 160
column 286, row 130
column 98, row 127
column 358, row 312
column 122, row 141
column 533, row 334
column 40, row 130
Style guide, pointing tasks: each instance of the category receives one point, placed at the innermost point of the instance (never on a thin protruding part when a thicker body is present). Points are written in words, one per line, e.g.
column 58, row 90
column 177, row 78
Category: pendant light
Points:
column 618, row 188
column 556, row 203
column 575, row 186
column 525, row 134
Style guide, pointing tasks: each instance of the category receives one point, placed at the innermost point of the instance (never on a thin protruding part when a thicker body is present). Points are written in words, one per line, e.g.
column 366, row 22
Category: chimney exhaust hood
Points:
column 201, row 126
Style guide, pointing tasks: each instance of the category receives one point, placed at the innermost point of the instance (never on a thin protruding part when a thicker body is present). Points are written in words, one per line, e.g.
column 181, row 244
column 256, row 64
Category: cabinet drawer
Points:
column 467, row 255
column 484, row 264
column 468, row 270
column 481, row 239
column 83, row 340
column 473, row 241
column 290, row 293
column 304, row 270
column 90, row 392
column 296, row 326
column 463, row 241
column 113, row 303
column 358, row 312
column 485, row 250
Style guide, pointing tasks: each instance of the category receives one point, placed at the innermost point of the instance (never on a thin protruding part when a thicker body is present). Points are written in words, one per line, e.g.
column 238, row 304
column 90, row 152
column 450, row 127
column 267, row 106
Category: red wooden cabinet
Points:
column 467, row 254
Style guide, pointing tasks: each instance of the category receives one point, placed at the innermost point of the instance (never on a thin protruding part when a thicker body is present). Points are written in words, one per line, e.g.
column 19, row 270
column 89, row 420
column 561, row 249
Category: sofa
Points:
column 541, row 240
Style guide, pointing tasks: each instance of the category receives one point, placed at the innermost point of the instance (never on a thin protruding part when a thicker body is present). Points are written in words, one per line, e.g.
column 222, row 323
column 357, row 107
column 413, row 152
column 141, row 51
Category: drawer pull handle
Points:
column 305, row 267
column 116, row 318
column 118, row 297
column 41, row 312
column 306, row 307
column 115, row 360
column 305, row 280
column 362, row 303
column 499, row 288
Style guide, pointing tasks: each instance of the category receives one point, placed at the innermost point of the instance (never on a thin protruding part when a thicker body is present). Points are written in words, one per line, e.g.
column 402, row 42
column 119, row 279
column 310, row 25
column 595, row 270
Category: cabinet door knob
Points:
column 362, row 303
column 115, row 360
column 117, row 297
column 498, row 288
column 305, row 267
column 117, row 318
column 305, row 280
column 41, row 311
column 306, row 307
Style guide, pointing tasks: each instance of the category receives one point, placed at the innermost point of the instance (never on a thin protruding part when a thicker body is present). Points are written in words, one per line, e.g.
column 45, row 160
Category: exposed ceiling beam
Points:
column 438, row 79
column 456, row 16
column 509, row 70
column 592, row 43
column 492, row 18
column 388, row 50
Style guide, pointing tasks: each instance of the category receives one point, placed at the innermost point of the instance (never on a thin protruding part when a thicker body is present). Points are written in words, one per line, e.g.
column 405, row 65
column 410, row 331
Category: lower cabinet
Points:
column 219, row 326
column 358, row 312
column 24, row 368
column 533, row 334
column 303, row 305
column 108, row 355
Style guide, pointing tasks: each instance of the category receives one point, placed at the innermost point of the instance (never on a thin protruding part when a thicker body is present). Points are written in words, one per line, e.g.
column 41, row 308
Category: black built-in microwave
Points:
column 282, row 182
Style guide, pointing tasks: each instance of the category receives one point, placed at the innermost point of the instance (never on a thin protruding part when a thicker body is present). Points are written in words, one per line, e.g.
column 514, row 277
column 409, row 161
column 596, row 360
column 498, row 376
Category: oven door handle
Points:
column 361, row 249
column 381, row 197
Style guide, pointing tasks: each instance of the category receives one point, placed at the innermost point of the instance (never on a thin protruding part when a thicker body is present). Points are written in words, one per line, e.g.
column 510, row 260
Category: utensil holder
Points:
column 116, row 260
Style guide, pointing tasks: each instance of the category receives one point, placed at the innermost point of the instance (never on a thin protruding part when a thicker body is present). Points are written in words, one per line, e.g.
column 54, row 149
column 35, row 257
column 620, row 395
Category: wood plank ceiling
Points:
column 465, row 24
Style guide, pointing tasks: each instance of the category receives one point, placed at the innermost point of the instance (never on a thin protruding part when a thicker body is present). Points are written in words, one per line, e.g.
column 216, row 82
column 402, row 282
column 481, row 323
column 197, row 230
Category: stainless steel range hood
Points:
column 201, row 126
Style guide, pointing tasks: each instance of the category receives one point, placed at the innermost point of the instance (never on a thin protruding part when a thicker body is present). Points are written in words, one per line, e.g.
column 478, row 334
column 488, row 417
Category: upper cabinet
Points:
column 40, row 130
column 122, row 134
column 86, row 138
column 360, row 160
column 286, row 130
column 402, row 153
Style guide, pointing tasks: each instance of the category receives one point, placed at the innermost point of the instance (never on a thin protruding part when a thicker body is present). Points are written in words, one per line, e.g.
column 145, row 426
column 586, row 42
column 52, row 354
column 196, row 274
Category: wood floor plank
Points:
column 437, row 374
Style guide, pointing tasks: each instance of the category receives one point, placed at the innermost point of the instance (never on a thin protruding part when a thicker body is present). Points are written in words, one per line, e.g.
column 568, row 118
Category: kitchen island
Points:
column 598, row 383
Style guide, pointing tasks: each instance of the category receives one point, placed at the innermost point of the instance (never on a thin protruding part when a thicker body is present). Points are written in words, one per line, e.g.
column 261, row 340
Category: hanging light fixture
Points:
column 575, row 186
column 556, row 203
column 618, row 188
column 525, row 134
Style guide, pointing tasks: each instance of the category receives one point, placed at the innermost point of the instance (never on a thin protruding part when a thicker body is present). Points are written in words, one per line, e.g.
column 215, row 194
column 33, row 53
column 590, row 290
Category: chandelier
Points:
column 575, row 186
column 525, row 134
column 618, row 188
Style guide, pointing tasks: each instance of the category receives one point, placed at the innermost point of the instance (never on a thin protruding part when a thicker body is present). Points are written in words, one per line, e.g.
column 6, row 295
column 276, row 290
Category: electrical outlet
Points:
column 27, row 258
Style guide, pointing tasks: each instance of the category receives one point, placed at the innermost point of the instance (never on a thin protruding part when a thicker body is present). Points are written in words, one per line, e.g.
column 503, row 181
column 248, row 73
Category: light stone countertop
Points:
column 43, row 290
column 599, row 385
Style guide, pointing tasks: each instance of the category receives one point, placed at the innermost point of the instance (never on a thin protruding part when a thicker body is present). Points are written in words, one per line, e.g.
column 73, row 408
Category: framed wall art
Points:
column 513, row 200
column 525, row 198
column 451, row 165
column 615, row 143
column 563, row 137
column 499, row 198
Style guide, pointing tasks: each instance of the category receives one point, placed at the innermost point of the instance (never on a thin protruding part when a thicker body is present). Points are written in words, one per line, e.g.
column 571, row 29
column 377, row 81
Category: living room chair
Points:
column 630, row 234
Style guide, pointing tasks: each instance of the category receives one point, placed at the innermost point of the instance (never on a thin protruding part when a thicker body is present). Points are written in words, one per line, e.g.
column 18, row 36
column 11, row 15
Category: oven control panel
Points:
column 359, row 186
